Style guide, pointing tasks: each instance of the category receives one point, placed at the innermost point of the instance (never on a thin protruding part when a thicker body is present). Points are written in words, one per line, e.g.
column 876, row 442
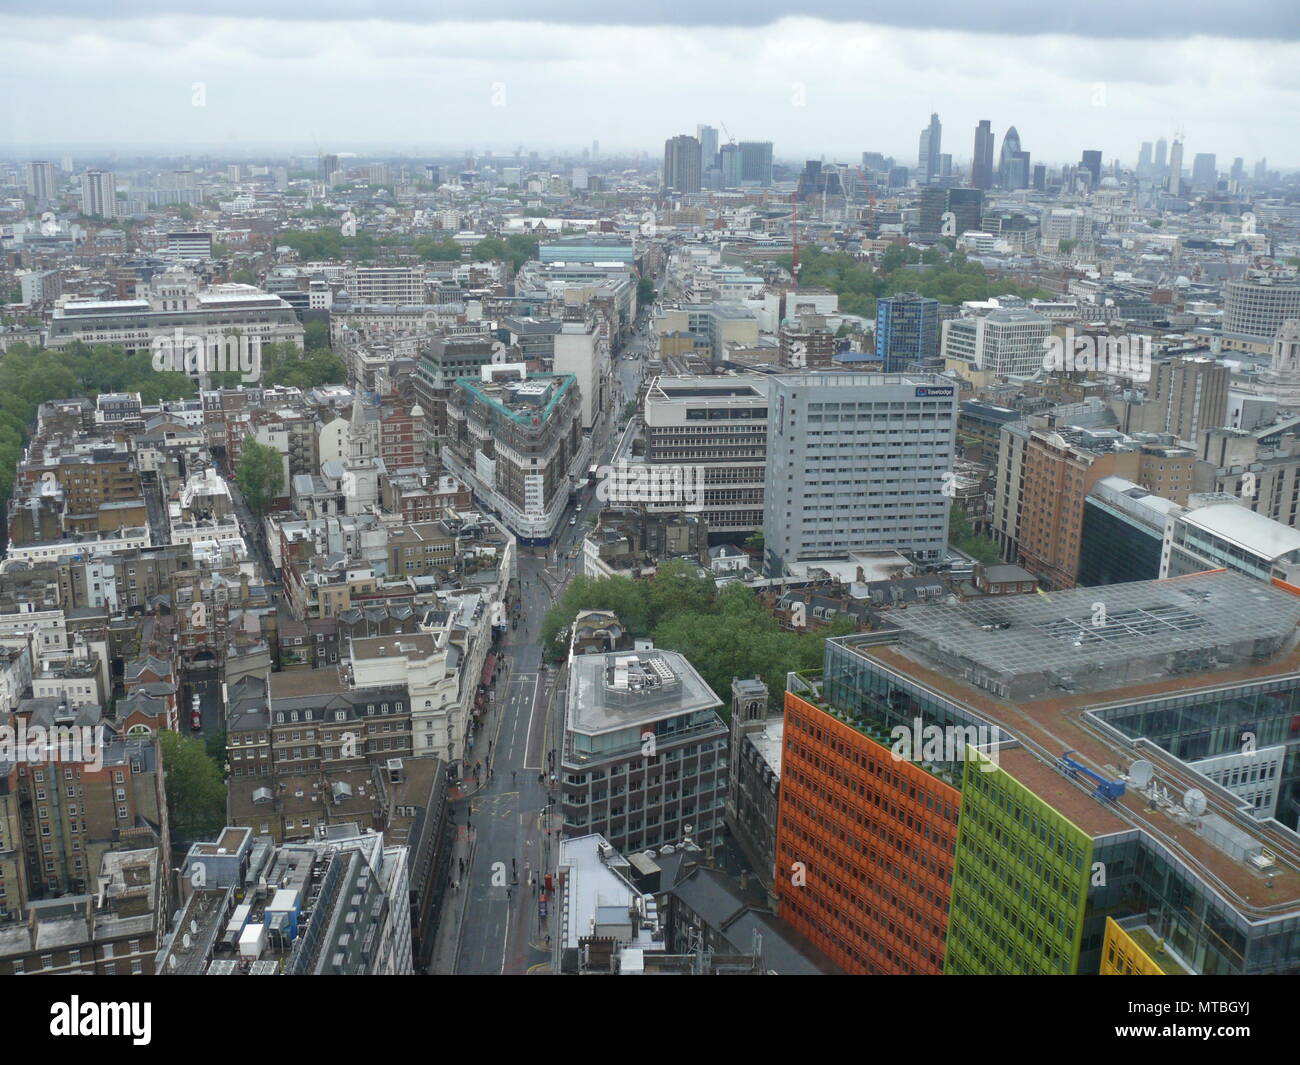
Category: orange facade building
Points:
column 865, row 846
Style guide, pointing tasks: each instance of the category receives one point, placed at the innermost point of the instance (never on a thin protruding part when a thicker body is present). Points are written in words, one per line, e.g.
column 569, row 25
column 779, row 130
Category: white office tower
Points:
column 856, row 464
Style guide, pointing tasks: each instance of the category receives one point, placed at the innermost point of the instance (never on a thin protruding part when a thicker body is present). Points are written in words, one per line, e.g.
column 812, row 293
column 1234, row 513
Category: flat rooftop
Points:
column 1095, row 639
column 622, row 689
column 1048, row 725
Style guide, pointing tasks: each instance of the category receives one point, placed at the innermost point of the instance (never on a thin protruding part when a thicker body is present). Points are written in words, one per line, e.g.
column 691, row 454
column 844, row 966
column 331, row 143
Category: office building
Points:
column 1005, row 341
column 966, row 207
column 1123, row 533
column 1091, row 162
column 99, row 194
column 718, row 424
column 174, row 301
column 517, row 442
column 729, row 163
column 931, row 148
column 446, row 359
column 385, row 284
column 981, row 167
column 189, row 245
column 1255, row 307
column 1062, row 743
column 708, row 138
column 856, row 463
column 907, row 331
column 682, row 164
column 1013, row 163
column 1205, row 173
column 756, row 163
column 644, row 752
column 1227, row 535
column 1160, row 162
column 1144, row 163
column 1175, row 180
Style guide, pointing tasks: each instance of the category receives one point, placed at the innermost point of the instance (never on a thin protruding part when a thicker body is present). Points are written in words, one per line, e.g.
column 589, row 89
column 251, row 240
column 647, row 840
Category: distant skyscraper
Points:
column 708, row 138
column 682, row 164
column 40, row 181
column 930, row 149
column 1162, row 148
column 326, row 166
column 1091, row 162
column 729, row 164
column 1013, row 164
column 1205, row 171
column 595, row 149
column 1261, row 172
column 1144, row 160
column 756, row 163
column 981, row 167
column 1238, row 174
column 1040, row 176
column 99, row 193
column 1175, row 181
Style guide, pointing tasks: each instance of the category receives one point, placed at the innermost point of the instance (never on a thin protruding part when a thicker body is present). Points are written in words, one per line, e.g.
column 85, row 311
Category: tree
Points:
column 755, row 540
column 962, row 536
column 196, row 794
column 260, row 475
column 645, row 292
column 316, row 336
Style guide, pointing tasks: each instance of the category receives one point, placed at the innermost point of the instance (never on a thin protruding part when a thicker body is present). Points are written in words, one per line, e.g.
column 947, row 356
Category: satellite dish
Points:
column 194, row 927
column 1140, row 773
column 1194, row 802
column 186, row 940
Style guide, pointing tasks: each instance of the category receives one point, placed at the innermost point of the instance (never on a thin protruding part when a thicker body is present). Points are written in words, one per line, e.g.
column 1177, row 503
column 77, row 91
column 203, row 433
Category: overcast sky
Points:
column 838, row 78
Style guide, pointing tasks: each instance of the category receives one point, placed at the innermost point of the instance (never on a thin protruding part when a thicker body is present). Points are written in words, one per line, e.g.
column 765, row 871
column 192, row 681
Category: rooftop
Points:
column 619, row 690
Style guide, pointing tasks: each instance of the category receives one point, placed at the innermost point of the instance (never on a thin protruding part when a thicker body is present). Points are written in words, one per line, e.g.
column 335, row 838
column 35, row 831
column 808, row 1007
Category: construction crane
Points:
column 730, row 138
column 794, row 237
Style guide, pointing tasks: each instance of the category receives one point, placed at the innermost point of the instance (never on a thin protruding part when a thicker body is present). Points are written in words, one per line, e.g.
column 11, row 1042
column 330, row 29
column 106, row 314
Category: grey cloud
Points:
column 1101, row 19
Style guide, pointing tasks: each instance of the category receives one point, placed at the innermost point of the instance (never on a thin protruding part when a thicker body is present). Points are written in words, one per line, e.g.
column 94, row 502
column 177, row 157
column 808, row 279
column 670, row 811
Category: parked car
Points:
column 196, row 720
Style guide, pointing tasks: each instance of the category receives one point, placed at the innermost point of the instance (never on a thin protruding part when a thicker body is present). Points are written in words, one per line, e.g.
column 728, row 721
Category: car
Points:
column 573, row 521
column 196, row 720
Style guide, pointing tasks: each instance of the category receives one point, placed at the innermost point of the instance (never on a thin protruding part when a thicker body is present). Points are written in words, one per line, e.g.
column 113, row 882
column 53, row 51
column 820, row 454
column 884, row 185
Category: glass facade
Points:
column 1115, row 549
column 1204, row 724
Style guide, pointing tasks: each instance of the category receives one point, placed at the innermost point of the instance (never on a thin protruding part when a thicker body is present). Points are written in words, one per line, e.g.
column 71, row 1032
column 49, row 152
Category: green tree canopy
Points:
column 196, row 793
column 724, row 635
column 260, row 475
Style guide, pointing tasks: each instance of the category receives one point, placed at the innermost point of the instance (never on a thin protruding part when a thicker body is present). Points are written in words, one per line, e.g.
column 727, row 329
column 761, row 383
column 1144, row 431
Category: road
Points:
column 510, row 814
